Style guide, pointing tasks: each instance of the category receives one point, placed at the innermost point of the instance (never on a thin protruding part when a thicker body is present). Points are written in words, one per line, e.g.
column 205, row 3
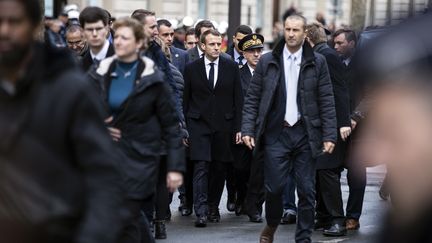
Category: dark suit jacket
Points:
column 212, row 113
column 245, row 77
column 179, row 58
column 342, row 104
column 194, row 54
column 87, row 60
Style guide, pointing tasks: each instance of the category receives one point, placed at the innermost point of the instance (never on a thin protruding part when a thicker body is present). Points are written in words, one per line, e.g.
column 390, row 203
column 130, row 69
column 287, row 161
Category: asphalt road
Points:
column 238, row 229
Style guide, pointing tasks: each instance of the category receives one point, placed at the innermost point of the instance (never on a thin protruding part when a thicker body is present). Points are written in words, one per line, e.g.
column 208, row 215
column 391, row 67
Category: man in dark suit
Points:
column 212, row 102
column 248, row 169
column 179, row 57
column 289, row 109
column 194, row 54
column 345, row 44
column 234, row 50
column 94, row 21
column 329, row 208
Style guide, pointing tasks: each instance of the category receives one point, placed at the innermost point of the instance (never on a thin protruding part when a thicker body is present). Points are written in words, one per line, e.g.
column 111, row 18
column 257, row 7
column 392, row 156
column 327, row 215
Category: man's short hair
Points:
column 190, row 31
column 141, row 14
column 209, row 32
column 93, row 15
column 201, row 24
column 33, row 9
column 244, row 29
column 74, row 28
column 298, row 17
column 133, row 24
column 316, row 33
column 164, row 22
column 350, row 34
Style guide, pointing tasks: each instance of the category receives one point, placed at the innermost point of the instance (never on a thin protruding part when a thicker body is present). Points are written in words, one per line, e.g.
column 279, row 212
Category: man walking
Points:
column 212, row 100
column 289, row 110
column 330, row 213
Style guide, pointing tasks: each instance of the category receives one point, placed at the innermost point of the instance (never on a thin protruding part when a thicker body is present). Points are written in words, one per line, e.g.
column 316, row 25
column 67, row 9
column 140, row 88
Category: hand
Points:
column 328, row 147
column 249, row 142
column 186, row 142
column 239, row 138
column 353, row 124
column 345, row 132
column 115, row 133
column 174, row 180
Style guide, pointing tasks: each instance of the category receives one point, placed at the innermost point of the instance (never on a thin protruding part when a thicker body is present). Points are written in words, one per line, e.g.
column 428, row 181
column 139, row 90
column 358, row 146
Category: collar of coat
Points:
column 308, row 53
column 104, row 66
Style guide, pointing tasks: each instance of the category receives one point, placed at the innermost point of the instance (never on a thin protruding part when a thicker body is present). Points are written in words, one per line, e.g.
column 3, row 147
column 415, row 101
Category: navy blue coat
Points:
column 179, row 58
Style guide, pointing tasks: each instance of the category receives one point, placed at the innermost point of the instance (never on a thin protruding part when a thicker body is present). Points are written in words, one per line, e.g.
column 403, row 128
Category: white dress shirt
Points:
column 207, row 67
column 103, row 52
column 251, row 69
column 200, row 53
column 291, row 84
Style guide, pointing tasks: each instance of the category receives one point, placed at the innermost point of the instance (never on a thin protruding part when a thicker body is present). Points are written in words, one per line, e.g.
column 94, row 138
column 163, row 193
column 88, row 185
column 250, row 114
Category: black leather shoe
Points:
column 160, row 230
column 335, row 230
column 231, row 206
column 201, row 222
column 255, row 218
column 288, row 218
column 231, row 202
column 186, row 211
column 214, row 216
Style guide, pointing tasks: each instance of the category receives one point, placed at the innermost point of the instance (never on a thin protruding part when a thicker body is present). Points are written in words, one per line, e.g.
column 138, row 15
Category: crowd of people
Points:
column 103, row 122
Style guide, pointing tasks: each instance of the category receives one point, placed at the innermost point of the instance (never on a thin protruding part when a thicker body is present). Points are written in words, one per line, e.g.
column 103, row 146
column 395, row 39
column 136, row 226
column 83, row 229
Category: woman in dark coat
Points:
column 141, row 114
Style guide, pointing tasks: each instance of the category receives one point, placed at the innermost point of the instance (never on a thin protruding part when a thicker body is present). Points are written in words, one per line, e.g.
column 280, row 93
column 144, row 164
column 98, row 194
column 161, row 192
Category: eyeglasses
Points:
column 75, row 43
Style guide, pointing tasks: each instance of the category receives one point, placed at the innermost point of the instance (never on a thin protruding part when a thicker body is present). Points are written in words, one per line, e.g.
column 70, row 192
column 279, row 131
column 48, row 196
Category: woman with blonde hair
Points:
column 141, row 115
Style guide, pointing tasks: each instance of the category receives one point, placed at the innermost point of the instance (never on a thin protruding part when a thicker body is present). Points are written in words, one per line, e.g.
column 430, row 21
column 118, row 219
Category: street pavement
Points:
column 238, row 229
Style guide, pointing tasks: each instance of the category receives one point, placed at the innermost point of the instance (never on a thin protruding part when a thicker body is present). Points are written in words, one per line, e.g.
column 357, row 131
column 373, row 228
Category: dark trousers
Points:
column 208, row 175
column 217, row 176
column 356, row 177
column 329, row 204
column 231, row 183
column 242, row 170
column 291, row 152
column 255, row 195
column 137, row 228
column 288, row 196
column 162, row 199
column 186, row 190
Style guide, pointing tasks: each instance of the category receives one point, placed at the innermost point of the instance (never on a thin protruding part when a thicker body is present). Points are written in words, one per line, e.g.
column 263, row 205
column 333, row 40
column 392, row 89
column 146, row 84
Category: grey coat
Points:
column 316, row 100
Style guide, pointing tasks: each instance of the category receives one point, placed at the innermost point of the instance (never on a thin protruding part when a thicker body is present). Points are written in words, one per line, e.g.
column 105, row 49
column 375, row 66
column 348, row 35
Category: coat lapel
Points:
column 203, row 74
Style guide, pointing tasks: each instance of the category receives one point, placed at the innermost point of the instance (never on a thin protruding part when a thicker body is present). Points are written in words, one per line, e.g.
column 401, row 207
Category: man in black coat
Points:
column 289, row 110
column 94, row 21
column 58, row 177
column 212, row 102
column 345, row 43
column 329, row 209
column 248, row 168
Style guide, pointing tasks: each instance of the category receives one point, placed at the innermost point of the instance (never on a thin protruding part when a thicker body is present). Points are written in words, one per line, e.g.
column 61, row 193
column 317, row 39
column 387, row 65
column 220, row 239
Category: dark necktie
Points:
column 211, row 75
column 240, row 60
